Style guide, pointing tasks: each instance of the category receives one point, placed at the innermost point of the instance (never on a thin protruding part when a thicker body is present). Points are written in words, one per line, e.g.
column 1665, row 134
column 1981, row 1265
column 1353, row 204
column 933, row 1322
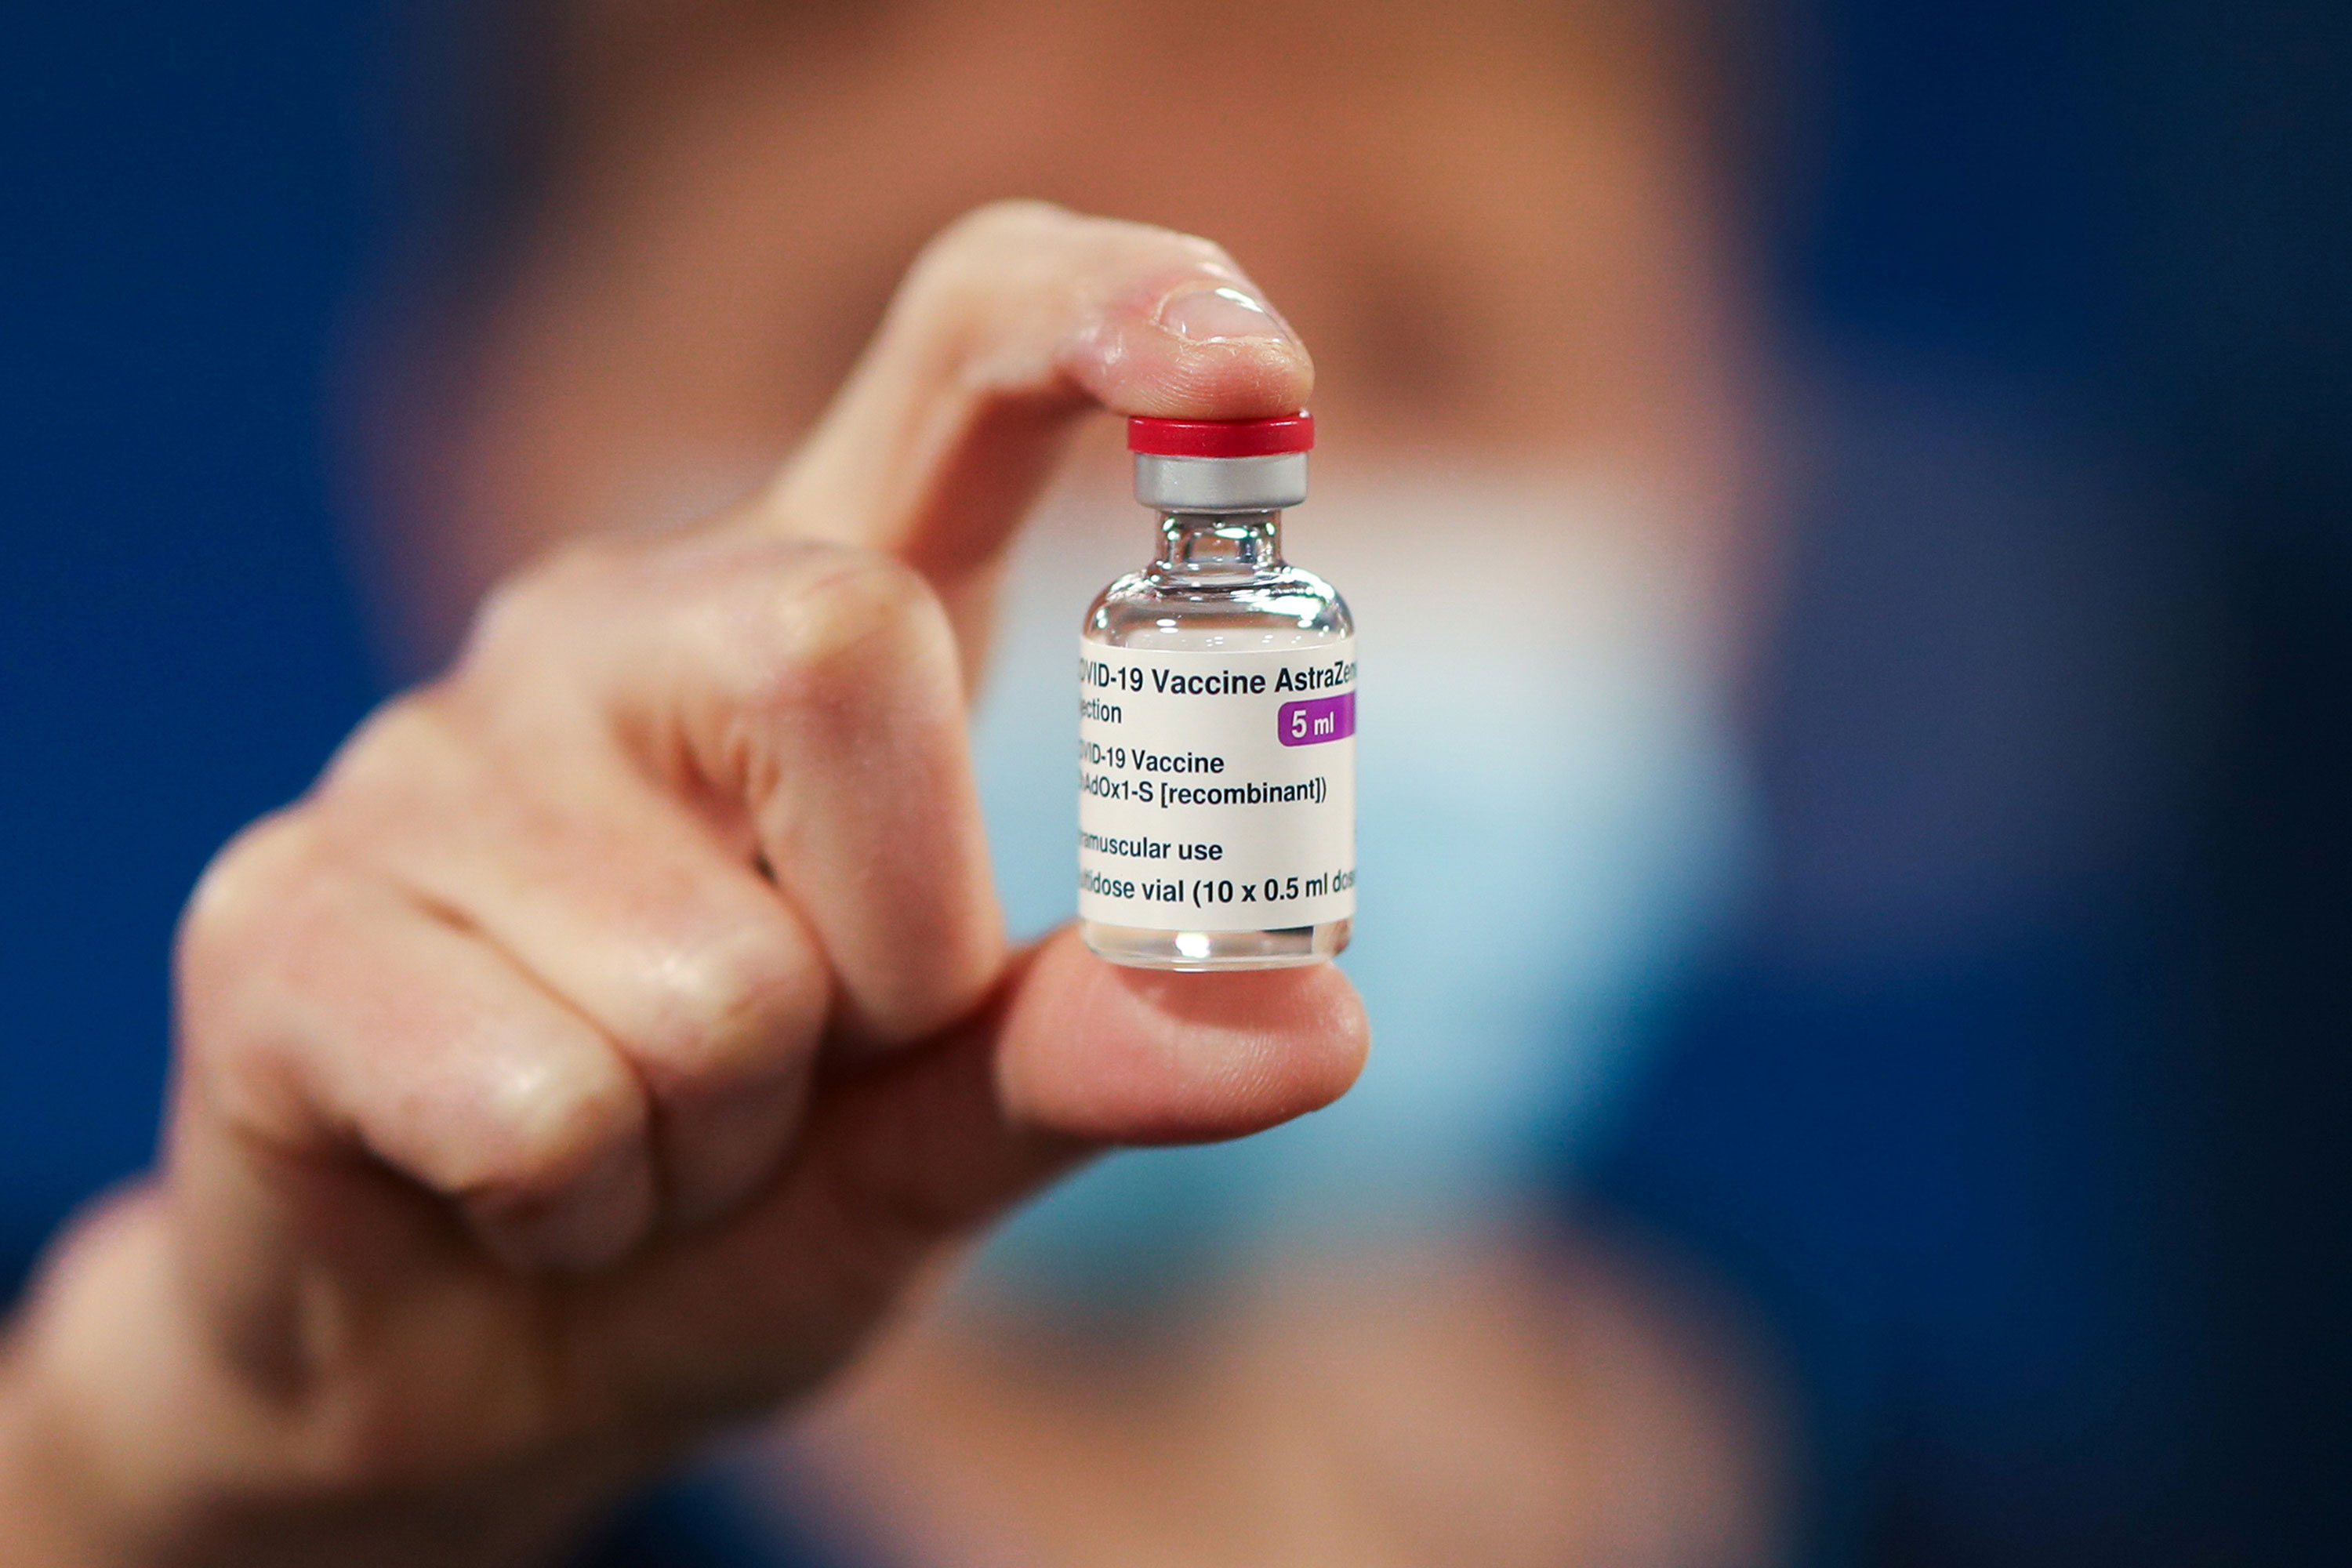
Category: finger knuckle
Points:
column 406, row 750
column 539, row 1128
column 734, row 1011
column 245, row 960
column 988, row 227
column 250, row 888
column 842, row 625
column 551, row 599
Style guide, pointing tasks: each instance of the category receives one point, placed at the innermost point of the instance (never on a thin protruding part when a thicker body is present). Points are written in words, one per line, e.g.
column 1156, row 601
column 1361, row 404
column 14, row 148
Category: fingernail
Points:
column 1219, row 313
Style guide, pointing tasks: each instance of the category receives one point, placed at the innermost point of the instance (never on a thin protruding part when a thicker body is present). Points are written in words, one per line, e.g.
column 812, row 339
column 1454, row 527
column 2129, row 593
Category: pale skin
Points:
column 624, row 1025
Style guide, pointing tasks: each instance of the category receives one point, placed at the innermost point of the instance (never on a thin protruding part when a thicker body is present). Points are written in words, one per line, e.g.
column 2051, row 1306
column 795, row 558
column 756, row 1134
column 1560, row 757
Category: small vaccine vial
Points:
column 1217, row 719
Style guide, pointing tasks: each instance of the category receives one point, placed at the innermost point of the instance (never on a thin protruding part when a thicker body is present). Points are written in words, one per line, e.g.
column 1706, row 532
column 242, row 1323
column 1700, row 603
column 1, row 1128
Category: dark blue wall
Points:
column 2018, row 1113
column 181, row 222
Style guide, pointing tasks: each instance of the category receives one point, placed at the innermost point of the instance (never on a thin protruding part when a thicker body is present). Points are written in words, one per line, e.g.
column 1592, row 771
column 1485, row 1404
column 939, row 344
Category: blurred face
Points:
column 1492, row 233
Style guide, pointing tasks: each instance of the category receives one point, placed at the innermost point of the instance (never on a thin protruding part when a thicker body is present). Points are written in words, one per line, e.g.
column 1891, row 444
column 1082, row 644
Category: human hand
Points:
column 625, row 1022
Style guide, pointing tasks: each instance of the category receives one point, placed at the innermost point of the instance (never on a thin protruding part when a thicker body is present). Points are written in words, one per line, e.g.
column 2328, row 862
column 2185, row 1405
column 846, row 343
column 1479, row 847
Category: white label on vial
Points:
column 1217, row 791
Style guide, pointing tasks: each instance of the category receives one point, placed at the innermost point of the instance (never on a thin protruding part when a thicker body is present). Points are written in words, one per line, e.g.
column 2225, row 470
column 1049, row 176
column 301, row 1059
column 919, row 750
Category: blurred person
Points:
column 1504, row 239
column 2017, row 1336
column 2003, row 1112
column 157, row 1455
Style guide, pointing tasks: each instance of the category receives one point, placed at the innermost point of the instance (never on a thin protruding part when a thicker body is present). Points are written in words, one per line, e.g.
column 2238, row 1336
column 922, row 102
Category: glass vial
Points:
column 1217, row 719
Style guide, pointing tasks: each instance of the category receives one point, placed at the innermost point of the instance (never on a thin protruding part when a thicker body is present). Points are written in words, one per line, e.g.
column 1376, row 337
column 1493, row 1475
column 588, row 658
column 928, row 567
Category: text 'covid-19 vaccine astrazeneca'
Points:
column 1217, row 719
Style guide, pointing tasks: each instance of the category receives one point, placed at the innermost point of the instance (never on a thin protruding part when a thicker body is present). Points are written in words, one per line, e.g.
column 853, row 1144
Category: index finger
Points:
column 1014, row 323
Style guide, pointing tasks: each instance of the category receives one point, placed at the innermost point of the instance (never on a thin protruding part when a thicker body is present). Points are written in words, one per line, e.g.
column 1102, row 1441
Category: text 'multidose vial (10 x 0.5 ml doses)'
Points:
column 1217, row 719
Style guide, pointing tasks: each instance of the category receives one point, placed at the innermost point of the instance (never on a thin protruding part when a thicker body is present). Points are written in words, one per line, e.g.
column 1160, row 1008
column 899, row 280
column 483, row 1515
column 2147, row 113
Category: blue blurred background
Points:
column 2012, row 1110
column 184, row 213
column 2022, row 1105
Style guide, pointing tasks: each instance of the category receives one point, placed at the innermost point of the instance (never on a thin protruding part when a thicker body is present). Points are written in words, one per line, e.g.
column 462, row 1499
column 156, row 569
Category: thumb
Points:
column 1073, row 1055
column 1078, row 1055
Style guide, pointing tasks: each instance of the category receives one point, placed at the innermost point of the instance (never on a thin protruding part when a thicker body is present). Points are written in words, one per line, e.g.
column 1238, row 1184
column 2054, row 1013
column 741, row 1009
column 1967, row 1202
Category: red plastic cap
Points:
column 1221, row 438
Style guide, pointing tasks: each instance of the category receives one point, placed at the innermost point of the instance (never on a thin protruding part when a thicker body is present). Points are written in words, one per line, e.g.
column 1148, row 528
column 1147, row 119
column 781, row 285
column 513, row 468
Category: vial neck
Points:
column 1211, row 546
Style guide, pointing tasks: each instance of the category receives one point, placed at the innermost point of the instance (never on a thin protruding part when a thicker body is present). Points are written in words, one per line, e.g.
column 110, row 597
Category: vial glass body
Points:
column 1219, row 585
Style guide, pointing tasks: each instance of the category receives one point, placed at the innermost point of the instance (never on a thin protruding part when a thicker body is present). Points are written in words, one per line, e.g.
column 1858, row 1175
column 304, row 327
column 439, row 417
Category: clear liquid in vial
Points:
column 1219, row 585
